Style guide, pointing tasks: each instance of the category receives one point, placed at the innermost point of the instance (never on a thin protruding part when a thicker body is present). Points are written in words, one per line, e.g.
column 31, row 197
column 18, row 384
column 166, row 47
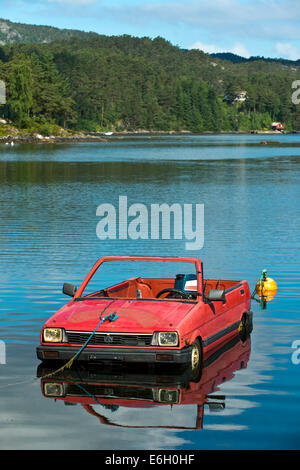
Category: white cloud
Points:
column 272, row 19
column 238, row 48
column 287, row 51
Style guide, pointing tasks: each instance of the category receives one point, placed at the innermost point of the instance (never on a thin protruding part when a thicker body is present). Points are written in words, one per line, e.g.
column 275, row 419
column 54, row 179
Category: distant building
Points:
column 239, row 97
column 277, row 126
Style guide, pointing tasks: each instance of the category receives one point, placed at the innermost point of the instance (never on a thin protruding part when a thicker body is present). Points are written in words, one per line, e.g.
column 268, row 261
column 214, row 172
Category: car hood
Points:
column 133, row 315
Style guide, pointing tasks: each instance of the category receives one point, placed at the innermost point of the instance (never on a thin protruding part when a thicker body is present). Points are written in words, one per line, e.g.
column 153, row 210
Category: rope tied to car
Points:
column 111, row 317
column 113, row 408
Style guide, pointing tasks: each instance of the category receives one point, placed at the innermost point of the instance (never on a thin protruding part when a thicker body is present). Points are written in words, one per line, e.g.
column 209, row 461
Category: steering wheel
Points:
column 182, row 294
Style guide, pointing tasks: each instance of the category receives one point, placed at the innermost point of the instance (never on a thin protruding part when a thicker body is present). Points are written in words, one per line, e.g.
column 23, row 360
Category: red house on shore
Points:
column 277, row 126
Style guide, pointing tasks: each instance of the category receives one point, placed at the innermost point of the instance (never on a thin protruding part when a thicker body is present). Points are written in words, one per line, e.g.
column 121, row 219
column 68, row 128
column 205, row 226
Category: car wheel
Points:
column 245, row 327
column 196, row 360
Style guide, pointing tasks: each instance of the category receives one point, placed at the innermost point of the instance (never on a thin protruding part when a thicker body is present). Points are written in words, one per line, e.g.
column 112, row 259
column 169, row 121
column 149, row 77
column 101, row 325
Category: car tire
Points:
column 196, row 360
column 245, row 327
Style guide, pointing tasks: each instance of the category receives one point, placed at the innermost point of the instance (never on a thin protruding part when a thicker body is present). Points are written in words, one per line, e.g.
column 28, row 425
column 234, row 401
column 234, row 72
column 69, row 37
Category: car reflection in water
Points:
column 114, row 387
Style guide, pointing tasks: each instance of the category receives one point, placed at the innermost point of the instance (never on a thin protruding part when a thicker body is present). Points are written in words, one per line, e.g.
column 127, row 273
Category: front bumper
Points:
column 89, row 354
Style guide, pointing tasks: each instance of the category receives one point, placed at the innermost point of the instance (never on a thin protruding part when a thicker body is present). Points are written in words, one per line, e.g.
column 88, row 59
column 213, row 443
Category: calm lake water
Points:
column 249, row 394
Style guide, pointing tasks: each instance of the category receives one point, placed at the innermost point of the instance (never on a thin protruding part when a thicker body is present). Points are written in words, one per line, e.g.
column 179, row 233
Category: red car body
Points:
column 202, row 317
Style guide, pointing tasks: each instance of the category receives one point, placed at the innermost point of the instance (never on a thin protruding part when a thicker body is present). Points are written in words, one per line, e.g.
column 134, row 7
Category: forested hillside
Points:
column 237, row 58
column 17, row 32
column 119, row 83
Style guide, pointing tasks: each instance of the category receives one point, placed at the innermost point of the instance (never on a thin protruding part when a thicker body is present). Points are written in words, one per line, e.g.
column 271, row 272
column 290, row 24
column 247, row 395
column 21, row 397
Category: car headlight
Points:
column 53, row 389
column 164, row 395
column 53, row 335
column 165, row 338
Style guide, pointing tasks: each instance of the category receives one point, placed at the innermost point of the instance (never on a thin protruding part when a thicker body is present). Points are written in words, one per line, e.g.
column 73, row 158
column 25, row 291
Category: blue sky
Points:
column 246, row 27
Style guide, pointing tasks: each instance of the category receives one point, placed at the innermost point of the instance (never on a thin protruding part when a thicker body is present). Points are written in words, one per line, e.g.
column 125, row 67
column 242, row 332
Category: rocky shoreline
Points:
column 102, row 137
column 31, row 139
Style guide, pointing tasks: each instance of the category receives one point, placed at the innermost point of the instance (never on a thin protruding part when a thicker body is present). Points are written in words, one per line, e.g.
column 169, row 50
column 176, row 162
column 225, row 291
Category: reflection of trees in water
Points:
column 160, row 173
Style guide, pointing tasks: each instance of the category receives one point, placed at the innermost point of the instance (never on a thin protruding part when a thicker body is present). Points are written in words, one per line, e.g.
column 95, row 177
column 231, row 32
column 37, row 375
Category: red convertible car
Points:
column 167, row 316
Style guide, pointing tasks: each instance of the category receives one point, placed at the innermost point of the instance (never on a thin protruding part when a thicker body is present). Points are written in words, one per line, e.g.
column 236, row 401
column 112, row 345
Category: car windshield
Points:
column 140, row 279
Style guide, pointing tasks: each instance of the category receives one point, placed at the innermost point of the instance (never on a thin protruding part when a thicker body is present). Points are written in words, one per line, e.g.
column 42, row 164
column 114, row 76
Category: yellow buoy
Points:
column 266, row 287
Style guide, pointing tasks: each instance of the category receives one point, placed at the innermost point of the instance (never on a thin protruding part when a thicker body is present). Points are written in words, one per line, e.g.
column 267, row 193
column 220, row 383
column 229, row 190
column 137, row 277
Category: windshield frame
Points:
column 198, row 266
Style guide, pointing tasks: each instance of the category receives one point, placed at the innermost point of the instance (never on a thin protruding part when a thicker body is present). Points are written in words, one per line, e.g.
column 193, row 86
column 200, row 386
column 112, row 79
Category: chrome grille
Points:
column 109, row 339
column 110, row 391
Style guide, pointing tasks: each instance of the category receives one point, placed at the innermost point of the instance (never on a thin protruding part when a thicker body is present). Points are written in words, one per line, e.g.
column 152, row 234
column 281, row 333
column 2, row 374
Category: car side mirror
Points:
column 69, row 289
column 216, row 295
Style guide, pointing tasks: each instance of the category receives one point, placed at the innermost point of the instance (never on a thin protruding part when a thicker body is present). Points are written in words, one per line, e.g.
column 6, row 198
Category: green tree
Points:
column 20, row 90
